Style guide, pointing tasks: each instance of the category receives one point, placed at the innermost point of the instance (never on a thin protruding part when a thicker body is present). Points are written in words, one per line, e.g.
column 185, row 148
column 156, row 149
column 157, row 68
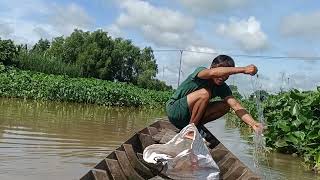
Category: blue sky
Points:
column 276, row 28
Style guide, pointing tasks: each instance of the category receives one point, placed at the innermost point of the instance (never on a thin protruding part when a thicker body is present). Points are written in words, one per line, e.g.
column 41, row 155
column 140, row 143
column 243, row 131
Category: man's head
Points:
column 222, row 61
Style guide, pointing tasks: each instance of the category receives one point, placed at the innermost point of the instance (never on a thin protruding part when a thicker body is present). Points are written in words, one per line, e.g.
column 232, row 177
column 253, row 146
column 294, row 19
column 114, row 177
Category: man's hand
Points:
column 251, row 69
column 189, row 135
column 258, row 128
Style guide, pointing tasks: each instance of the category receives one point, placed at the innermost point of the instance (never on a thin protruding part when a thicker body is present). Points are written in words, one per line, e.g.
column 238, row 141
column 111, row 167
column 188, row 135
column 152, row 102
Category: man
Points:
column 191, row 101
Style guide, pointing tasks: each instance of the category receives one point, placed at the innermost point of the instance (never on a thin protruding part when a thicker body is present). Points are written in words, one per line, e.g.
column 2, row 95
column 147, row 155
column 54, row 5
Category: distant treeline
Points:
column 87, row 54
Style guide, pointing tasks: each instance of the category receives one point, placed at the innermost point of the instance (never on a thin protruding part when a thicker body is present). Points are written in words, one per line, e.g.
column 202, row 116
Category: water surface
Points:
column 52, row 140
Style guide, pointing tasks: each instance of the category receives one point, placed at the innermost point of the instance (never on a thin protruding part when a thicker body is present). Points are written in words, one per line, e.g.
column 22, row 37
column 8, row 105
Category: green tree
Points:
column 57, row 48
column 235, row 92
column 95, row 59
column 94, row 54
column 8, row 52
column 123, row 57
column 74, row 46
column 22, row 48
column 41, row 46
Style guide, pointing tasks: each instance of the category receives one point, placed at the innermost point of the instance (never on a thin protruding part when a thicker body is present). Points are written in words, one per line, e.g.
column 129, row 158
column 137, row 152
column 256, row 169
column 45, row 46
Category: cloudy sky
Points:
column 235, row 27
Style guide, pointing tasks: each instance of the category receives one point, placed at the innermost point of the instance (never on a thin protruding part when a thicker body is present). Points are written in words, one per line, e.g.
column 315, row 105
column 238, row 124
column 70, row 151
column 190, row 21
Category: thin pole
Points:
column 181, row 51
column 163, row 72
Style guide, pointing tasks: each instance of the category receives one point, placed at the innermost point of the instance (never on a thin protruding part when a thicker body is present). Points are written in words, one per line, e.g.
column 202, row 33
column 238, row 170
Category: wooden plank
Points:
column 152, row 130
column 234, row 171
column 101, row 165
column 88, row 176
column 248, row 175
column 146, row 140
column 149, row 130
column 218, row 154
column 145, row 131
column 115, row 169
column 135, row 142
column 135, row 163
column 226, row 163
column 164, row 124
column 126, row 166
column 164, row 135
column 157, row 137
column 99, row 174
column 168, row 125
column 167, row 136
column 157, row 178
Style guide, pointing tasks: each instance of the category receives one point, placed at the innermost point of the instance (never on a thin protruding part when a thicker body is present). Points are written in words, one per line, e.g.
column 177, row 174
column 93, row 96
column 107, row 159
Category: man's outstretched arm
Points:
column 243, row 114
column 226, row 71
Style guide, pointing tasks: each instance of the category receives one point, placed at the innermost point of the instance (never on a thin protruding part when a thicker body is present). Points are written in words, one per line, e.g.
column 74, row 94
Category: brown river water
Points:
column 52, row 140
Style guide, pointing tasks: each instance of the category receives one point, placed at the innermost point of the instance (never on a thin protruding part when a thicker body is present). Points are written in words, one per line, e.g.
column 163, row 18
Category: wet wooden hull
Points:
column 126, row 161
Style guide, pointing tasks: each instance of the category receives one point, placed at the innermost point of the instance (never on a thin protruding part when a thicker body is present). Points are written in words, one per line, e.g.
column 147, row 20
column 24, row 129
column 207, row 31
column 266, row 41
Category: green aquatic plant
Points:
column 293, row 123
column 40, row 86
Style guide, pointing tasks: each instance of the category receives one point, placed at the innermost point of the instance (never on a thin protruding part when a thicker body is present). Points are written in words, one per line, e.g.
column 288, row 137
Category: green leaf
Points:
column 295, row 109
column 292, row 138
column 296, row 123
column 281, row 143
column 299, row 134
column 313, row 135
column 296, row 95
column 318, row 160
column 301, row 118
column 283, row 126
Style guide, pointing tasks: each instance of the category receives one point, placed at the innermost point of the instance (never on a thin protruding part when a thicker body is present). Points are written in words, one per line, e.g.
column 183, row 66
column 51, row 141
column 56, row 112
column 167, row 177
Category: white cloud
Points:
column 23, row 31
column 5, row 30
column 212, row 6
column 114, row 31
column 303, row 81
column 42, row 32
column 191, row 59
column 32, row 20
column 15, row 9
column 66, row 18
column 246, row 33
column 162, row 26
column 301, row 25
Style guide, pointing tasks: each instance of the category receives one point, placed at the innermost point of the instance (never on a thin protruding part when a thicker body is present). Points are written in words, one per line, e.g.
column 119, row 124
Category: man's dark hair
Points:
column 222, row 61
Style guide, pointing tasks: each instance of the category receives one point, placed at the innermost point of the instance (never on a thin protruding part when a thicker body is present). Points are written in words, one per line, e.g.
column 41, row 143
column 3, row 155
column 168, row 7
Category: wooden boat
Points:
column 126, row 162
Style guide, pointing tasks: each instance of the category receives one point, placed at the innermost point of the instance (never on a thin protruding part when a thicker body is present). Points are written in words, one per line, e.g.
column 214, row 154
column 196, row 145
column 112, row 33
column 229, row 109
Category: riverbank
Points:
column 34, row 85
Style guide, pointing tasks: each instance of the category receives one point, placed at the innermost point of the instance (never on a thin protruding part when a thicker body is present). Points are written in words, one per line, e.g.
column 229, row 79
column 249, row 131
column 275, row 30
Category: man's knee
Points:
column 205, row 94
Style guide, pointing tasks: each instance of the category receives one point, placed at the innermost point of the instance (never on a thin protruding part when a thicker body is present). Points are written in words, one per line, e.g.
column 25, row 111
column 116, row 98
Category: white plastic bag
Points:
column 185, row 158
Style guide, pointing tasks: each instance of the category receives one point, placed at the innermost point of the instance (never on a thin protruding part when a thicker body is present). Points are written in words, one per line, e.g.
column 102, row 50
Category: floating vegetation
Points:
column 40, row 86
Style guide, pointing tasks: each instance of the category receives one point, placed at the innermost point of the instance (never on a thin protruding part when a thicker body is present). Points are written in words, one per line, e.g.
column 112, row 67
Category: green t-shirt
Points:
column 193, row 83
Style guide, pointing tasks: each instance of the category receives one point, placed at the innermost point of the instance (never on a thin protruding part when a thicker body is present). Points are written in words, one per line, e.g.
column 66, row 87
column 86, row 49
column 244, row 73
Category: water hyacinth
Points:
column 33, row 85
column 293, row 123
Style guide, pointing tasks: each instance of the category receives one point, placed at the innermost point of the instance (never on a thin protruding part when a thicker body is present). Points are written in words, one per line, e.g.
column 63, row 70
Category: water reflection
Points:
column 46, row 140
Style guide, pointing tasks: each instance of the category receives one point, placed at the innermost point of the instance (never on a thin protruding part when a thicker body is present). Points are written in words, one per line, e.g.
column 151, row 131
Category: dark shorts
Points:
column 178, row 112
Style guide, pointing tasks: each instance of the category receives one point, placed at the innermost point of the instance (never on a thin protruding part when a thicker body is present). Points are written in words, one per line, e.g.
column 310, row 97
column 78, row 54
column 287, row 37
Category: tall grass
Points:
column 48, row 65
